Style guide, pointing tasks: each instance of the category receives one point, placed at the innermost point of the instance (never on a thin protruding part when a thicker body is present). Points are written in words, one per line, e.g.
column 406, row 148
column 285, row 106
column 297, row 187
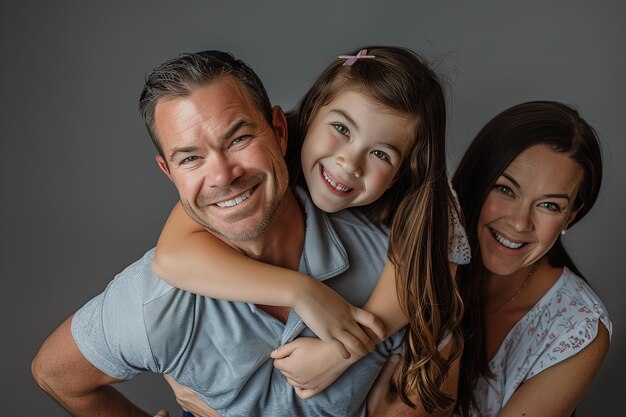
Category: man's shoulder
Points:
column 138, row 281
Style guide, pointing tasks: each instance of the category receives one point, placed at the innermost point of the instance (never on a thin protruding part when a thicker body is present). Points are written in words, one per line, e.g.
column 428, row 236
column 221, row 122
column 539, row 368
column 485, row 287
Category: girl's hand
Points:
column 309, row 365
column 335, row 321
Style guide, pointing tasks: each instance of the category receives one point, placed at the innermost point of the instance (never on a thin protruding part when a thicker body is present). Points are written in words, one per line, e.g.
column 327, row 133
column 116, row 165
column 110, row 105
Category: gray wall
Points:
column 82, row 196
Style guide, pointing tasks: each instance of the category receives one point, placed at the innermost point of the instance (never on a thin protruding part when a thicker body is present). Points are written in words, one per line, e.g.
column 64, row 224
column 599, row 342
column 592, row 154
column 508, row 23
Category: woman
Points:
column 537, row 332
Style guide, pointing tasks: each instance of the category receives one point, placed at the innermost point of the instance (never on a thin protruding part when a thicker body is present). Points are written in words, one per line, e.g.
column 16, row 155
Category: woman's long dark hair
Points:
column 490, row 153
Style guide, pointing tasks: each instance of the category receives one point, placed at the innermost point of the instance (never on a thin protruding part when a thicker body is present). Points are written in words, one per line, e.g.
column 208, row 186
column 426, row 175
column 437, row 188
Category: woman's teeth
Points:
column 505, row 242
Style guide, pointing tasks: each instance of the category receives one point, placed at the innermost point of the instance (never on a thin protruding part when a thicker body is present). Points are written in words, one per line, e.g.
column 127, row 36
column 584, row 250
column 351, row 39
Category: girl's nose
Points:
column 349, row 165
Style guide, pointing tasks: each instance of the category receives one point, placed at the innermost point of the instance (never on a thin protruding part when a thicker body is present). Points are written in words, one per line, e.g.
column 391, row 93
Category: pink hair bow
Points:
column 351, row 59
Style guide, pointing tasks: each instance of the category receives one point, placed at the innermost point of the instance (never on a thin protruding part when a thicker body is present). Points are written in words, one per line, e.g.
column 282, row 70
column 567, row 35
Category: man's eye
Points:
column 382, row 155
column 189, row 159
column 341, row 128
column 239, row 140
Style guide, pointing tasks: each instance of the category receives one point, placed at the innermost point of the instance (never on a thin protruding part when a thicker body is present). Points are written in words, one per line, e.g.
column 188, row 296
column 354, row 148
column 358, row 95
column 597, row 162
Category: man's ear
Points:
column 163, row 165
column 279, row 122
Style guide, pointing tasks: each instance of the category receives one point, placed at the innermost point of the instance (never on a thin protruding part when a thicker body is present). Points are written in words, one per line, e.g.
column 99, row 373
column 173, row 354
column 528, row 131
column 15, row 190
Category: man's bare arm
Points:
column 63, row 373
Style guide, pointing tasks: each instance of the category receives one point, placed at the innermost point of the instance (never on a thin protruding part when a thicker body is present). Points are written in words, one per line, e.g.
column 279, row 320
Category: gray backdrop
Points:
column 82, row 196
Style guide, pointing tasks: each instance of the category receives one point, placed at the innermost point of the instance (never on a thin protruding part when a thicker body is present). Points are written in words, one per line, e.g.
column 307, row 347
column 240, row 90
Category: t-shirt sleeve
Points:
column 576, row 315
column 110, row 332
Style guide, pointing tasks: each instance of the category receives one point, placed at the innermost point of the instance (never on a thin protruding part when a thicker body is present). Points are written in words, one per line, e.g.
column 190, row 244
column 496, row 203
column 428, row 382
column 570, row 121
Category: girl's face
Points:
column 353, row 150
column 527, row 208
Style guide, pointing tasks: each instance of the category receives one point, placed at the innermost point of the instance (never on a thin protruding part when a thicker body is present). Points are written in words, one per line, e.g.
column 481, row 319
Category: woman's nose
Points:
column 520, row 219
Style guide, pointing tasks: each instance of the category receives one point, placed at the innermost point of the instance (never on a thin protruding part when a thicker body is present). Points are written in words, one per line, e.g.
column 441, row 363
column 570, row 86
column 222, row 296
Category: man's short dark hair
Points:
column 180, row 76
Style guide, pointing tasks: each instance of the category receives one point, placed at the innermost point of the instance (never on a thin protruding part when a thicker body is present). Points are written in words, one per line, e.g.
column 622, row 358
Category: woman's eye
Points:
column 341, row 128
column 551, row 206
column 381, row 155
column 503, row 189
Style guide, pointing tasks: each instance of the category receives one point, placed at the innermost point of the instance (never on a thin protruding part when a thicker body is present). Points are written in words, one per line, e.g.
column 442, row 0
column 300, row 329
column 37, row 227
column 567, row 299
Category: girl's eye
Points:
column 551, row 206
column 503, row 189
column 381, row 155
column 341, row 128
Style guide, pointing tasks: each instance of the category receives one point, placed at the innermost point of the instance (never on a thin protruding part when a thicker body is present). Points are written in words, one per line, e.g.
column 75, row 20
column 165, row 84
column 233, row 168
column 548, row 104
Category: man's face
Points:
column 223, row 157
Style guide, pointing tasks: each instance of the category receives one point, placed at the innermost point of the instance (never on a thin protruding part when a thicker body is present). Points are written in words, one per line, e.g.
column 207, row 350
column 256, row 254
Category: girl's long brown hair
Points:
column 418, row 208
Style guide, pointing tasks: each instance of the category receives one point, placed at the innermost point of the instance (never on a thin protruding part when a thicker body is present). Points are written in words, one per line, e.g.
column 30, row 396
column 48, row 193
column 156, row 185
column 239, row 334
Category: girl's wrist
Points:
column 298, row 287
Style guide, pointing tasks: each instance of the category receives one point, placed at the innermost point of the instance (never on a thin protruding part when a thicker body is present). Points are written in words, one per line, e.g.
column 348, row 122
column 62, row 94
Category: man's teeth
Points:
column 339, row 187
column 237, row 200
column 505, row 242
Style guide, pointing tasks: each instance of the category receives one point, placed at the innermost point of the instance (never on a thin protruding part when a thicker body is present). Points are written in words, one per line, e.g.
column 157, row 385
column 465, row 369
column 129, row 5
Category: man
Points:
column 218, row 140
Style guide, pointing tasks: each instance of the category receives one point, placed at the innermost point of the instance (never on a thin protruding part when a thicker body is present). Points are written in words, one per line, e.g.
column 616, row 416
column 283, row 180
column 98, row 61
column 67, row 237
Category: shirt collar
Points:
column 323, row 256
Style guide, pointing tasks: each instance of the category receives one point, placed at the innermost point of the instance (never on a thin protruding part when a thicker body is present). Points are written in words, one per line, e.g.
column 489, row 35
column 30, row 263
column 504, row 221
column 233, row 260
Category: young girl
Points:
column 374, row 138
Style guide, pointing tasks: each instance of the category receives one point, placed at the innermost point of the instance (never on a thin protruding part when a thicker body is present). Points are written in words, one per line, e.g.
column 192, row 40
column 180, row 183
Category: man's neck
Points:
column 283, row 240
column 282, row 244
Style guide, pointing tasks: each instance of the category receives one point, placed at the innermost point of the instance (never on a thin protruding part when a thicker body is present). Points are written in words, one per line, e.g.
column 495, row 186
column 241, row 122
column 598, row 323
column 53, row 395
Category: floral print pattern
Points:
column 561, row 324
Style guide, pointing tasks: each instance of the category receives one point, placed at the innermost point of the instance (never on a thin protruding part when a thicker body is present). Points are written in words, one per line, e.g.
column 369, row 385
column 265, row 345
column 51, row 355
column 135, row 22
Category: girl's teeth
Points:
column 505, row 242
column 237, row 200
column 334, row 184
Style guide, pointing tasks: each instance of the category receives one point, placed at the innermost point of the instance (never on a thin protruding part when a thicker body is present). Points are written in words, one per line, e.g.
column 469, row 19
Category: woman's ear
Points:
column 571, row 217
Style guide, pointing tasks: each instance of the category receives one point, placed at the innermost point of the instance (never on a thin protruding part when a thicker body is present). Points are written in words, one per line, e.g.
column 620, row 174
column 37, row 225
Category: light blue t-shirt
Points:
column 221, row 349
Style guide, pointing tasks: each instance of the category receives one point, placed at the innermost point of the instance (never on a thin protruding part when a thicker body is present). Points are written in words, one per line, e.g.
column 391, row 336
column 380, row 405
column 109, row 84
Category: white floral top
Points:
column 458, row 246
column 560, row 325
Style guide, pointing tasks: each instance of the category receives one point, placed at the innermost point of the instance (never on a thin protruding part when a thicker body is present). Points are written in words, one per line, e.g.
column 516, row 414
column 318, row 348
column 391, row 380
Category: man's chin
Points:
column 240, row 231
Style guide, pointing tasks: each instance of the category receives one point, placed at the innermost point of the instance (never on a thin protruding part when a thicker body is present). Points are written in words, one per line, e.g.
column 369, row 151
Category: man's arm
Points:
column 63, row 373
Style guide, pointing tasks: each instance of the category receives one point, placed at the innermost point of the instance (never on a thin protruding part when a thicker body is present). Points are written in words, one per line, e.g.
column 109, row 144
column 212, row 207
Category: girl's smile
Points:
column 353, row 150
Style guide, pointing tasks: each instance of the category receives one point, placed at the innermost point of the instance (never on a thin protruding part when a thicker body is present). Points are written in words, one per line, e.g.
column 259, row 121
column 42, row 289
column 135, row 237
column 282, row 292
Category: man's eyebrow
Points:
column 236, row 126
column 182, row 149
column 347, row 117
column 228, row 134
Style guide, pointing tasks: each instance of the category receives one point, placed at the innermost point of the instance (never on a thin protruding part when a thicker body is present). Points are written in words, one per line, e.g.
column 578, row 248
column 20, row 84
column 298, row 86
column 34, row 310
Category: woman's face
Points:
column 527, row 208
column 353, row 150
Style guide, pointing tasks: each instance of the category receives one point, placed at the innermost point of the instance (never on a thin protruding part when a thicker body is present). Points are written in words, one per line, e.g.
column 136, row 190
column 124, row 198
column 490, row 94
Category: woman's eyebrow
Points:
column 510, row 178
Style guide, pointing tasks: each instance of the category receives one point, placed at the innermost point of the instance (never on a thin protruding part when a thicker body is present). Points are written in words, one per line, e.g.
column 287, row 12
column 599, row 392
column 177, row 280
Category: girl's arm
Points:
column 558, row 389
column 310, row 367
column 189, row 257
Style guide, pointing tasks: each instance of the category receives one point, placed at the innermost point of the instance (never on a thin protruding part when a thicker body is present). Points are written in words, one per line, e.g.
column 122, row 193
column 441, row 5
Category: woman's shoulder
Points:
column 564, row 322
column 574, row 297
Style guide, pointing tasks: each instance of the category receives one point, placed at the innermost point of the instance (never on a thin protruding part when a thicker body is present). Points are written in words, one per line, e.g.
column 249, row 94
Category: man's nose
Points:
column 222, row 171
